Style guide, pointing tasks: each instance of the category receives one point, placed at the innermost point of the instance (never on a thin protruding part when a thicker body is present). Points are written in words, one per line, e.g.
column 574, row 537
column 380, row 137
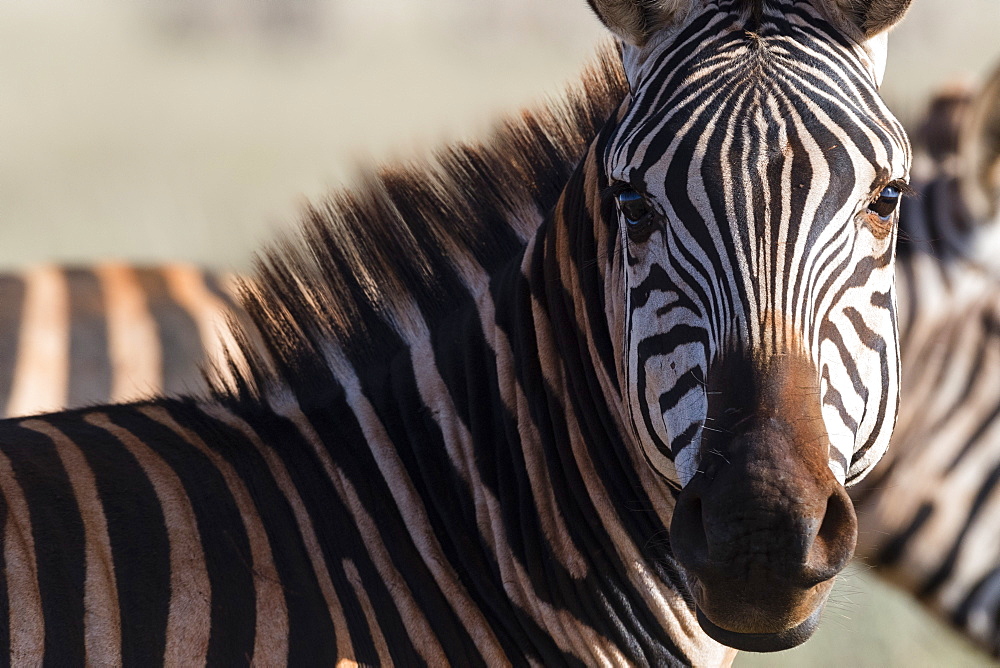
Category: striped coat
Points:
column 257, row 525
column 898, row 536
column 930, row 512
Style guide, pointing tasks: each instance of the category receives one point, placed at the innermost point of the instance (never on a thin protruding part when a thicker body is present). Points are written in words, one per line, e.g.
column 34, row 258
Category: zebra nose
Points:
column 763, row 530
column 768, row 542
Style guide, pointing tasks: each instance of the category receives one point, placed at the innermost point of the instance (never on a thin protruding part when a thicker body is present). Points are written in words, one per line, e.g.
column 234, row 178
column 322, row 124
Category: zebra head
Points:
column 753, row 177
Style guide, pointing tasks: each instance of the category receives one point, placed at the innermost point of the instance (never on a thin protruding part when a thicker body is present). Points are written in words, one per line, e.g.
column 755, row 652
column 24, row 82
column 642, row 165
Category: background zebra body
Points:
column 930, row 513
column 436, row 453
column 109, row 333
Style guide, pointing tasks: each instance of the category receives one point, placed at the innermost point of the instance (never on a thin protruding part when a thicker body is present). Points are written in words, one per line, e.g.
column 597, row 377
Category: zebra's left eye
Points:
column 634, row 207
column 886, row 204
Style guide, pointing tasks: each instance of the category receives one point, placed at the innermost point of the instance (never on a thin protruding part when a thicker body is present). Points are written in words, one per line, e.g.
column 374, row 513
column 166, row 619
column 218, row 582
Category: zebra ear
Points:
column 980, row 152
column 874, row 17
column 939, row 133
column 636, row 20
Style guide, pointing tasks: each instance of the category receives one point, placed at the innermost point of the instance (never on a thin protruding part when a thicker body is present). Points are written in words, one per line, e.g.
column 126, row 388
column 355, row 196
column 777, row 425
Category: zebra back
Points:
column 73, row 336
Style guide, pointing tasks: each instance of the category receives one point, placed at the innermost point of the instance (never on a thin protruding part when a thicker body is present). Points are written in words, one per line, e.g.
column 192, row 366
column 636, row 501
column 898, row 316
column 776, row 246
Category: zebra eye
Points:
column 886, row 204
column 634, row 207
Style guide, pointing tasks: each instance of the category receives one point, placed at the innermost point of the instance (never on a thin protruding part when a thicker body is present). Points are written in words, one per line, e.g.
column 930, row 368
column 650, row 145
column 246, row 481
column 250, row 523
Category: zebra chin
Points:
column 763, row 642
column 764, row 526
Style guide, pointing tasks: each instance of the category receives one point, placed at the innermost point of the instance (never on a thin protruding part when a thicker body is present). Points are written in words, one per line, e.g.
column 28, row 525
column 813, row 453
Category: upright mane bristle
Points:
column 367, row 254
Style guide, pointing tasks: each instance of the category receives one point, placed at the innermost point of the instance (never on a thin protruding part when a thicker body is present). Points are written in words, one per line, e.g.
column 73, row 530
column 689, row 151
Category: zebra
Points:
column 929, row 514
column 578, row 395
column 934, row 231
column 111, row 332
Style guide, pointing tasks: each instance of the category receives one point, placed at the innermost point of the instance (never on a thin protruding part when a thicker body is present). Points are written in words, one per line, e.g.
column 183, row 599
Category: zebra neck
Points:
column 492, row 439
column 594, row 516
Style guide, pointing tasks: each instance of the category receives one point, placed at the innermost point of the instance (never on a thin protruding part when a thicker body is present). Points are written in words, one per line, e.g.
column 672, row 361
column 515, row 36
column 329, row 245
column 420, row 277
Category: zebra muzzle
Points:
column 764, row 525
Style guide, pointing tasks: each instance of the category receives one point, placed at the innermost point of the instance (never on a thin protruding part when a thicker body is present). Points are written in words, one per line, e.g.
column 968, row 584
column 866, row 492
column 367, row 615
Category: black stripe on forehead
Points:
column 812, row 92
column 749, row 134
column 794, row 39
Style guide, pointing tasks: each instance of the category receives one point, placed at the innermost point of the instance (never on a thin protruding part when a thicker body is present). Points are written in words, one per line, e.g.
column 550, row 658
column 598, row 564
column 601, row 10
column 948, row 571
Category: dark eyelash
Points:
column 903, row 187
column 608, row 193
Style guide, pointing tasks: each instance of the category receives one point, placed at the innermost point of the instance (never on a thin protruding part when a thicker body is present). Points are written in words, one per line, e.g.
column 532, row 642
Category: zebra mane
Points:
column 365, row 257
column 755, row 10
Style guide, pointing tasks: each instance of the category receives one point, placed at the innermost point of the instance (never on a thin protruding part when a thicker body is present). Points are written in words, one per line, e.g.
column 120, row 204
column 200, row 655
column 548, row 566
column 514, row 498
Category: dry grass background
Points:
column 124, row 133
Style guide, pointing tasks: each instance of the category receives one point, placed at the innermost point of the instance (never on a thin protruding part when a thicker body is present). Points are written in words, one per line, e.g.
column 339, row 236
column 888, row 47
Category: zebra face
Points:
column 756, row 195
column 755, row 177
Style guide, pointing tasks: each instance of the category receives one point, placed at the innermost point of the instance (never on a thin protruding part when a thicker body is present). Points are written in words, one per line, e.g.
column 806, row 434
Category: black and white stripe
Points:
column 72, row 336
column 930, row 513
column 762, row 172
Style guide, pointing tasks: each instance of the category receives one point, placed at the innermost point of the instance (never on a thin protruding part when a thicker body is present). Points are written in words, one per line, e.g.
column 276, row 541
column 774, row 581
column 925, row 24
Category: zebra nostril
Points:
column 834, row 542
column 687, row 532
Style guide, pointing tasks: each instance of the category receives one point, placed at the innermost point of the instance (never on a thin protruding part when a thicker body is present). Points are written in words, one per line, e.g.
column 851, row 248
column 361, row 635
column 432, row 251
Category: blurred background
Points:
column 194, row 129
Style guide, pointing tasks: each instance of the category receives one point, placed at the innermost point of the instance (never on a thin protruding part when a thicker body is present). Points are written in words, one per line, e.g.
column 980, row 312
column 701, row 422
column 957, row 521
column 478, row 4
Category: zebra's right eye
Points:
column 634, row 207
column 886, row 204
